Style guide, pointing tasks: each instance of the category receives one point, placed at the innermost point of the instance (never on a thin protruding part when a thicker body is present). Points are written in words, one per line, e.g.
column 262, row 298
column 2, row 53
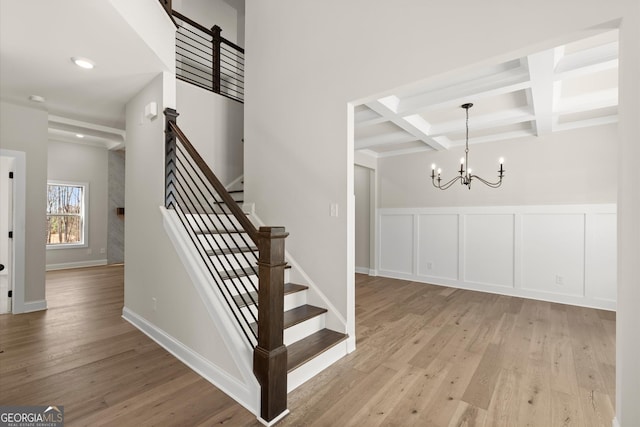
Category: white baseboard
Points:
column 274, row 421
column 77, row 264
column 203, row 367
column 503, row 290
column 37, row 305
column 363, row 270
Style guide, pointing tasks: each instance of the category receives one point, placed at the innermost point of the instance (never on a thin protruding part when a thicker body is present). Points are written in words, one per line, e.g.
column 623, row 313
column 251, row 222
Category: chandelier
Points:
column 466, row 176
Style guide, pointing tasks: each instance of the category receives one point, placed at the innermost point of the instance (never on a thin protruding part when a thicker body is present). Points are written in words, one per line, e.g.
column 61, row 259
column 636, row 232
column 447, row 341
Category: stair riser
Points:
column 205, row 222
column 312, row 368
column 226, row 240
column 291, row 301
column 248, row 281
column 304, row 329
column 234, row 261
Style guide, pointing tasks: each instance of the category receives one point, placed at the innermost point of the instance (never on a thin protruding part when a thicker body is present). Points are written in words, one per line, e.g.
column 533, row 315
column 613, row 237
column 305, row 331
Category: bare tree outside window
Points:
column 65, row 214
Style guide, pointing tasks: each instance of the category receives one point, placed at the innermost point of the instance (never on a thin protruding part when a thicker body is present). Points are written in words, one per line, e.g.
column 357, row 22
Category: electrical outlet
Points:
column 103, row 250
column 154, row 303
column 429, row 266
column 559, row 280
column 334, row 209
column 89, row 251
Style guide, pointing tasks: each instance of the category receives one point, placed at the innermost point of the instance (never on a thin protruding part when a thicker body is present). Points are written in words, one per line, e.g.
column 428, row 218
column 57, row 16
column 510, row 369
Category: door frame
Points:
column 19, row 213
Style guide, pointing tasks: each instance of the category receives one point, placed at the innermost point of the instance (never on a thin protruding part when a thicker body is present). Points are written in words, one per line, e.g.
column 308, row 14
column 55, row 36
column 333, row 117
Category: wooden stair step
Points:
column 232, row 274
column 246, row 299
column 307, row 348
column 229, row 251
column 297, row 315
column 300, row 314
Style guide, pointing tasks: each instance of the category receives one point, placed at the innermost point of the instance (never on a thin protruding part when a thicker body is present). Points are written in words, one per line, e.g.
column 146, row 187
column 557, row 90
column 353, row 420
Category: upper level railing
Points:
column 224, row 238
column 208, row 60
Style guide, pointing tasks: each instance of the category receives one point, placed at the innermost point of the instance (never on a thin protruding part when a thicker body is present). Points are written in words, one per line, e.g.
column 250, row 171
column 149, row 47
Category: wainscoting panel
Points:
column 559, row 253
column 553, row 253
column 488, row 249
column 396, row 243
column 600, row 271
column 438, row 246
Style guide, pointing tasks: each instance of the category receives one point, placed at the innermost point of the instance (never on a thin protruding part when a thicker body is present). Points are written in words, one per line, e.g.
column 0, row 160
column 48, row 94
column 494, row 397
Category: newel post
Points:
column 270, row 355
column 170, row 162
column 215, row 52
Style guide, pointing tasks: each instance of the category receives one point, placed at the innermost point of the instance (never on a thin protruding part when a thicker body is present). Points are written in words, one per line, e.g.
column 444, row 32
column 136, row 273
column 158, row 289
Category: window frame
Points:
column 84, row 215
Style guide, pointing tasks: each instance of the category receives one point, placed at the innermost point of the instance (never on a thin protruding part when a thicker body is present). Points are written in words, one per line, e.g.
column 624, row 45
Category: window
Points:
column 66, row 215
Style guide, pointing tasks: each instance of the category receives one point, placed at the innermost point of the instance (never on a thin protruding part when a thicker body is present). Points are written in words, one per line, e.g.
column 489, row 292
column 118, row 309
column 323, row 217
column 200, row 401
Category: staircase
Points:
column 305, row 334
column 247, row 267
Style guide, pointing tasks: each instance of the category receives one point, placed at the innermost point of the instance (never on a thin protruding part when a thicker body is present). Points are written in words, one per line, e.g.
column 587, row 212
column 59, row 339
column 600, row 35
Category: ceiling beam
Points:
column 541, row 66
column 414, row 124
column 588, row 61
column 383, row 139
column 475, row 89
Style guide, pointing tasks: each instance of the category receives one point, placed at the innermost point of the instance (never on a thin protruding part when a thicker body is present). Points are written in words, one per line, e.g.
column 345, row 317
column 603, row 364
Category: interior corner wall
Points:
column 25, row 129
column 72, row 162
column 570, row 167
column 152, row 267
column 115, row 226
column 301, row 77
column 214, row 124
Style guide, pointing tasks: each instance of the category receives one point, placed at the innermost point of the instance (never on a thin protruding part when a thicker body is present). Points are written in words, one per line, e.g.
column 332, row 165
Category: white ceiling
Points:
column 568, row 87
column 37, row 40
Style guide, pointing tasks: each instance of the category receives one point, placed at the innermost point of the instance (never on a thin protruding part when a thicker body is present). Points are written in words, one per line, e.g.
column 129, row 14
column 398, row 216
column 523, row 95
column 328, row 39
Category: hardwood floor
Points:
column 426, row 356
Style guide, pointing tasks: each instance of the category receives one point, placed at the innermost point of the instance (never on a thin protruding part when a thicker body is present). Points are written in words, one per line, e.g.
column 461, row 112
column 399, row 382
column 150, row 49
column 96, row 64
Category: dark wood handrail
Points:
column 206, row 30
column 213, row 180
column 167, row 6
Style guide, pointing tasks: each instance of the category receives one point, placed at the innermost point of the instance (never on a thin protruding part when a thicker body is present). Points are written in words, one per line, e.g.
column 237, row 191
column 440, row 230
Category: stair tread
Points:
column 230, row 274
column 246, row 299
column 300, row 314
column 297, row 315
column 229, row 251
column 307, row 348
column 235, row 191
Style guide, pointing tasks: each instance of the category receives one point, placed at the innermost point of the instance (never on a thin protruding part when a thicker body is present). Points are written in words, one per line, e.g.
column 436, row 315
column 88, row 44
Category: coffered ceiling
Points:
column 568, row 87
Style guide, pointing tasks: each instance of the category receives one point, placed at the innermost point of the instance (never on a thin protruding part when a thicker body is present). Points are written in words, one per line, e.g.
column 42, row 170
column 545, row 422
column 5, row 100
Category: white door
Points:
column 6, row 226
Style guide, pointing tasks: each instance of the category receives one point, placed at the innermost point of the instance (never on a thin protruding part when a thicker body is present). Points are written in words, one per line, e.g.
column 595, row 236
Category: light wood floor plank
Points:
column 426, row 356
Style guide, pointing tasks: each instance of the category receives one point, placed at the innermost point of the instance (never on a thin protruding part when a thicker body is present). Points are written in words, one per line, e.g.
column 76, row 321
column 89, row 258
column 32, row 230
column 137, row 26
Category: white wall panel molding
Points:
column 559, row 253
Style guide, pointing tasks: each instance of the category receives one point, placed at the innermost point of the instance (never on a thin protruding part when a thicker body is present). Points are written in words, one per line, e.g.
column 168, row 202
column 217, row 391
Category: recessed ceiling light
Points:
column 36, row 98
column 79, row 135
column 83, row 62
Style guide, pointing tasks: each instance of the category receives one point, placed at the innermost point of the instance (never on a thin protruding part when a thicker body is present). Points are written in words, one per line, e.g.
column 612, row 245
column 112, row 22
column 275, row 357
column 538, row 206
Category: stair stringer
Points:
column 334, row 320
column 246, row 392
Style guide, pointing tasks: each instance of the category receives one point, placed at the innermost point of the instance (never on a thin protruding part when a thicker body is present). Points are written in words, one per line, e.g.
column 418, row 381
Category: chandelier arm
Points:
column 488, row 183
column 447, row 184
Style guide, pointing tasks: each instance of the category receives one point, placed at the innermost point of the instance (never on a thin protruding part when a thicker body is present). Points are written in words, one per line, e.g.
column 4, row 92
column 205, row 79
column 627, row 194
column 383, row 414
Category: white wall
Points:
column 571, row 167
column 152, row 267
column 84, row 164
column 25, row 129
column 628, row 315
column 298, row 151
column 214, row 124
column 560, row 253
column 223, row 13
column 362, row 191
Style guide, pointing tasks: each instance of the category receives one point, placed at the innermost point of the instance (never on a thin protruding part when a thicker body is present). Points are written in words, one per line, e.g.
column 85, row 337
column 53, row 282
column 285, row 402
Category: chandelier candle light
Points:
column 466, row 176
